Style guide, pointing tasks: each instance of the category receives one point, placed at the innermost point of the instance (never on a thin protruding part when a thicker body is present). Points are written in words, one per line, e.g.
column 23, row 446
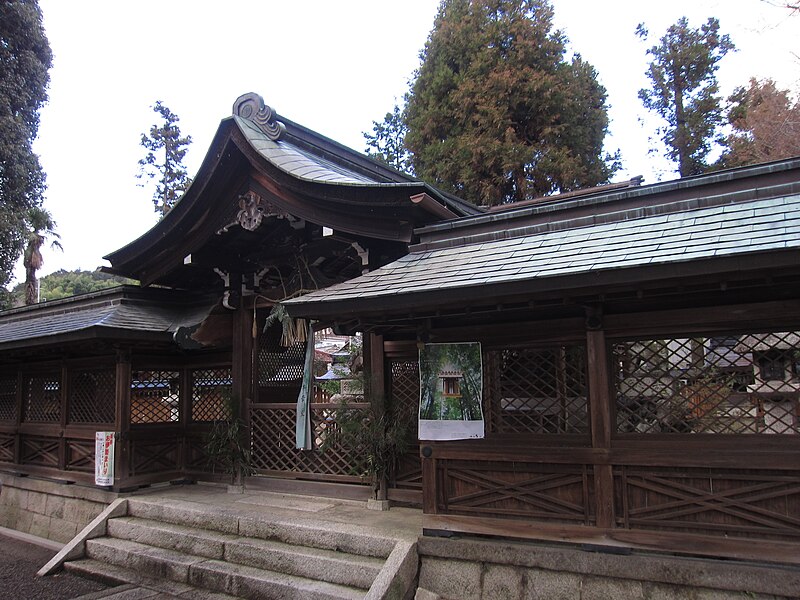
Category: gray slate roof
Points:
column 703, row 233
column 296, row 162
column 103, row 311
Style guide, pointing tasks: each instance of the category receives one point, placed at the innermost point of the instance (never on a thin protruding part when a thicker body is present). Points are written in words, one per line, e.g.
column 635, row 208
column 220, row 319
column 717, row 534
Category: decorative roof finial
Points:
column 251, row 106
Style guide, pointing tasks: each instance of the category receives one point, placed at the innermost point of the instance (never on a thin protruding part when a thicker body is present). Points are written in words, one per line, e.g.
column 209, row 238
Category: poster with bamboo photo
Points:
column 451, row 391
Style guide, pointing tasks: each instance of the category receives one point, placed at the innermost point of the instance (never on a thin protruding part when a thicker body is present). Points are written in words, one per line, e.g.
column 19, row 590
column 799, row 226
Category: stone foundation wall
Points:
column 48, row 509
column 480, row 569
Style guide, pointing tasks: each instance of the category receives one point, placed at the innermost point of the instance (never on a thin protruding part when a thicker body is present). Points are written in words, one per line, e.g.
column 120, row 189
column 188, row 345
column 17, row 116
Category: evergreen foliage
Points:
column 386, row 143
column 166, row 149
column 685, row 93
column 766, row 125
column 63, row 284
column 497, row 114
column 25, row 59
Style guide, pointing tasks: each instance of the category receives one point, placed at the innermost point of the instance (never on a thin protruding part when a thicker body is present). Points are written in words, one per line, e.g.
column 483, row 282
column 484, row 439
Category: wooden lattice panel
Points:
column 274, row 449
column 7, row 447
column 80, row 455
column 404, row 404
column 758, row 504
column 41, row 452
column 211, row 392
column 43, row 398
column 279, row 366
column 555, row 493
column 154, row 457
column 8, row 398
column 155, row 397
column 539, row 390
column 735, row 384
column 92, row 396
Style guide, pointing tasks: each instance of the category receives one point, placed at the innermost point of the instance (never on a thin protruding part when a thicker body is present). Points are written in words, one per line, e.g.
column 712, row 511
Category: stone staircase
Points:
column 180, row 550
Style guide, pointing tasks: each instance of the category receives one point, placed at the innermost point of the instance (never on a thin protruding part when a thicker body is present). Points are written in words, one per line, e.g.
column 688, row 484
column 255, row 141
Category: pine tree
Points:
column 164, row 159
column 685, row 93
column 25, row 59
column 496, row 114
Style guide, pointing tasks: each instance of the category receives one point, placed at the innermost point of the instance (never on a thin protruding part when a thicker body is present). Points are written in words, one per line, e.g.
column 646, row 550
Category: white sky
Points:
column 333, row 66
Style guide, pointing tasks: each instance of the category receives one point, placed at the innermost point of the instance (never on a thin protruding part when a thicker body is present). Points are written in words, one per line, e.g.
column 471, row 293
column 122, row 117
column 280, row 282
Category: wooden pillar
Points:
column 64, row 414
column 21, row 389
column 375, row 370
column 242, row 360
column 122, row 417
column 601, row 410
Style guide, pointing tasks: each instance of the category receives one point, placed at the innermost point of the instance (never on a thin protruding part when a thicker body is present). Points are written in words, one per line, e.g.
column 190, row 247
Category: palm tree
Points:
column 40, row 227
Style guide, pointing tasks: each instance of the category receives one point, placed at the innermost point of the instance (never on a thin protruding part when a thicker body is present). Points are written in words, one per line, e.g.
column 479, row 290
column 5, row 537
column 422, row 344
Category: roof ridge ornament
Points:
column 251, row 106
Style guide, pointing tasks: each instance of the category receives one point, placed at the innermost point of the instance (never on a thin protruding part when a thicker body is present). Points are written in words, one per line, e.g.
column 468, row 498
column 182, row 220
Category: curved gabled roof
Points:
column 304, row 174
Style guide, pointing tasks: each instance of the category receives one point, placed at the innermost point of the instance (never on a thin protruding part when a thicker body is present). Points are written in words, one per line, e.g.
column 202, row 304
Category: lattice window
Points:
column 43, row 398
column 734, row 384
column 155, row 397
column 539, row 390
column 211, row 394
column 8, row 398
column 92, row 396
column 279, row 366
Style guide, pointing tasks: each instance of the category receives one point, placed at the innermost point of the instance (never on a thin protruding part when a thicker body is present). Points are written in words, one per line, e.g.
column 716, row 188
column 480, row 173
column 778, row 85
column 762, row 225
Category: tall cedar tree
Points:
column 685, row 93
column 496, row 114
column 25, row 59
column 766, row 125
column 164, row 159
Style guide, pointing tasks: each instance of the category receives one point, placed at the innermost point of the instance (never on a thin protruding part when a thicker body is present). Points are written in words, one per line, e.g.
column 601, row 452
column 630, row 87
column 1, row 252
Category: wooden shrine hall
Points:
column 639, row 346
column 275, row 211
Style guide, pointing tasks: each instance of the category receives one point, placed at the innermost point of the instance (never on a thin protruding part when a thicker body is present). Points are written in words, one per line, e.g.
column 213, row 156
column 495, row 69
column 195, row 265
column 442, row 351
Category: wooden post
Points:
column 21, row 389
column 64, row 414
column 242, row 359
column 122, row 417
column 375, row 384
column 601, row 410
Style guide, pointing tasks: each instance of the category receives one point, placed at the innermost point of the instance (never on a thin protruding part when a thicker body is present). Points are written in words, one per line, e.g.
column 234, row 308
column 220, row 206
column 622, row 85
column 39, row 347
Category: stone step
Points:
column 209, row 574
column 293, row 531
column 313, row 563
column 133, row 585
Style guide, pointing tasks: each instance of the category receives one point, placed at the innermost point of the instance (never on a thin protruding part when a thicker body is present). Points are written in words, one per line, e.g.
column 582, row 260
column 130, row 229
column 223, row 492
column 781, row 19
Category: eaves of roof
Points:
column 718, row 237
column 123, row 312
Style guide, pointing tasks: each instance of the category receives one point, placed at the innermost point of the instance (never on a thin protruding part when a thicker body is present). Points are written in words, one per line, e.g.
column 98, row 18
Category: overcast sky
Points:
column 333, row 66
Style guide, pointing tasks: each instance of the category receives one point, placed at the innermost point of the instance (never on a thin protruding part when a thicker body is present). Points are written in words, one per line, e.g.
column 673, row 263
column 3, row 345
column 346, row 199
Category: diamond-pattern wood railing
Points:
column 8, row 398
column 92, row 396
column 715, row 501
column 43, row 398
column 538, row 390
column 155, row 397
column 211, row 392
column 154, row 456
column 273, row 448
column 80, row 455
column 404, row 399
column 735, row 384
column 8, row 444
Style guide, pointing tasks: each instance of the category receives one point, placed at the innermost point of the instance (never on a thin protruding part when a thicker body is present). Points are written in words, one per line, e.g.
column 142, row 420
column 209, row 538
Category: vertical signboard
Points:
column 104, row 458
column 451, row 392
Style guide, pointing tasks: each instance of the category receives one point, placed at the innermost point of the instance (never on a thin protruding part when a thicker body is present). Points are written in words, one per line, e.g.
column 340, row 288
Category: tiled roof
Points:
column 298, row 163
column 685, row 235
column 109, row 311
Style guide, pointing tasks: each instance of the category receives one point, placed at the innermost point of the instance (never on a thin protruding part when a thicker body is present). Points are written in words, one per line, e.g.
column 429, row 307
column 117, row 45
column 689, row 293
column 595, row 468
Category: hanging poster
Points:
column 104, row 458
column 451, row 391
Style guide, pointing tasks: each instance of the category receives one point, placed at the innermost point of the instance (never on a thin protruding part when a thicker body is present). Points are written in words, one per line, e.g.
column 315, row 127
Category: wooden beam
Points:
column 600, row 413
